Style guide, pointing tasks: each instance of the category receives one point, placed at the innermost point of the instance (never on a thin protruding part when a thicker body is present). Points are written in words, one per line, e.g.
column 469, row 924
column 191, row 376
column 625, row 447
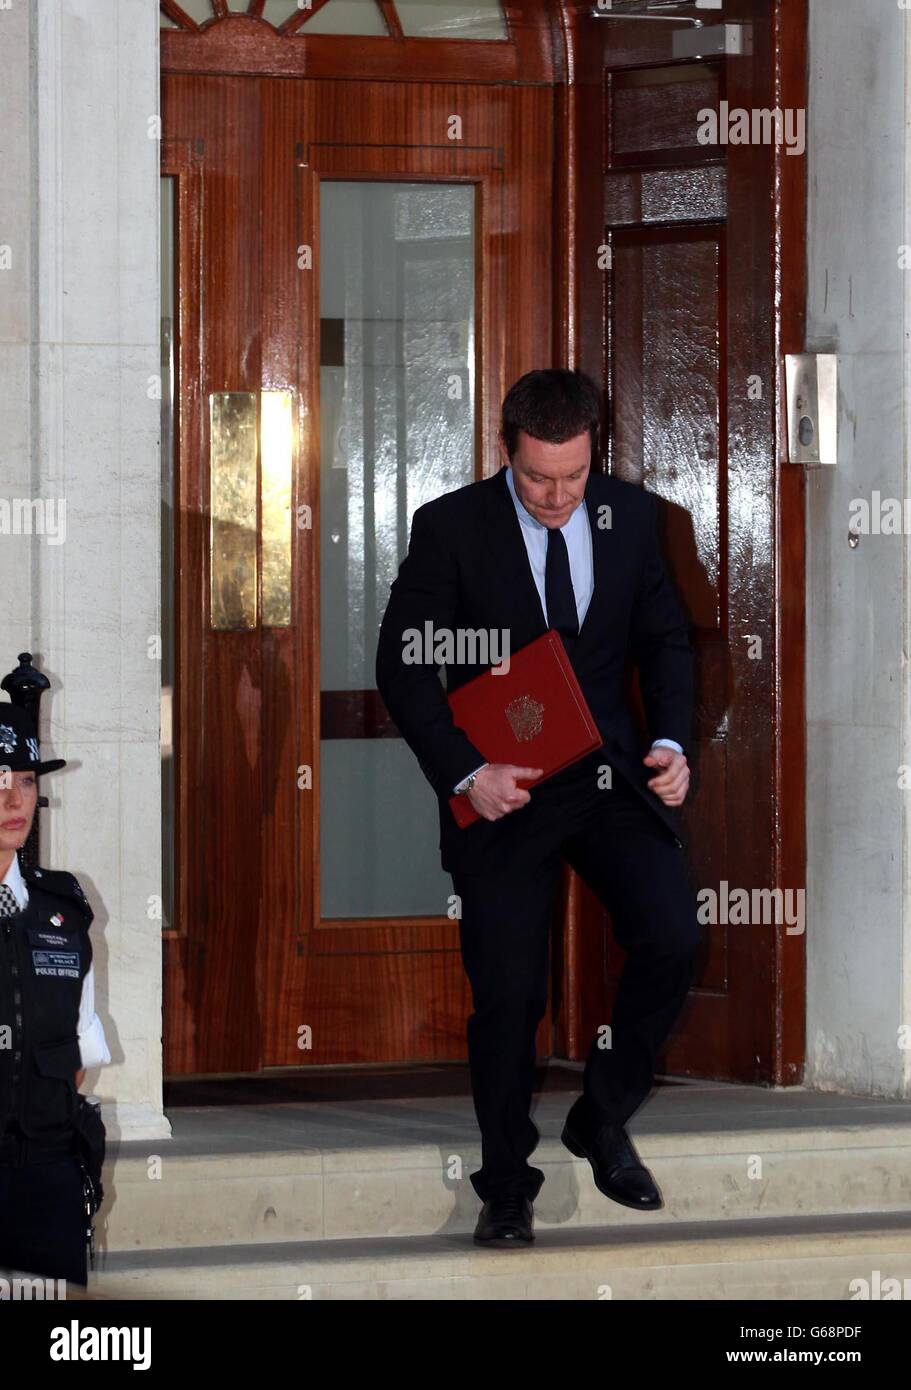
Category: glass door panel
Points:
column 397, row 367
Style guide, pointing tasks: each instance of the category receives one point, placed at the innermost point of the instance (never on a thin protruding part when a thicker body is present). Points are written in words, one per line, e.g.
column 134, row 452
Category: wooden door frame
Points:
column 236, row 44
column 574, row 961
column 417, row 153
column 182, row 160
column 318, row 162
column 288, row 321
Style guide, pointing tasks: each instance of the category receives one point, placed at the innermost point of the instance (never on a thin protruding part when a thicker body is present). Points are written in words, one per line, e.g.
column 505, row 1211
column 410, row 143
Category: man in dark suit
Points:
column 543, row 543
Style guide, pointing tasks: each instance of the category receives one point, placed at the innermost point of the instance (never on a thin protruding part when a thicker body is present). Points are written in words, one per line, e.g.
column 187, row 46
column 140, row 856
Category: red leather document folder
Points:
column 534, row 715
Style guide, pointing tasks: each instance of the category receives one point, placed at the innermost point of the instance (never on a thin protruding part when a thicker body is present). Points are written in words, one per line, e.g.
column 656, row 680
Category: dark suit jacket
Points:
column 467, row 568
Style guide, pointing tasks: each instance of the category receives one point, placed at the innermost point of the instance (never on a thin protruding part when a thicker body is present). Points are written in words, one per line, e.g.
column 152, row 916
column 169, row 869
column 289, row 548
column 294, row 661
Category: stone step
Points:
column 796, row 1258
column 351, row 1188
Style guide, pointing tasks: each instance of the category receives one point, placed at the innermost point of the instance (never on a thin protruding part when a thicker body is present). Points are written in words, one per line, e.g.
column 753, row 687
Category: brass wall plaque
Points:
column 235, row 519
column 276, row 454
column 232, row 505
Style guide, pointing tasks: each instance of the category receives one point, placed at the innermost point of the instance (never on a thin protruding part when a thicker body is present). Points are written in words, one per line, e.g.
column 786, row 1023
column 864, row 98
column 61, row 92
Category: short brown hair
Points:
column 554, row 405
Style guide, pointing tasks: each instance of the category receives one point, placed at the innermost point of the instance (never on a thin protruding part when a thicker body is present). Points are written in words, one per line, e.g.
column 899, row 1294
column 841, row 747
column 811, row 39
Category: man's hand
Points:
column 495, row 793
column 673, row 782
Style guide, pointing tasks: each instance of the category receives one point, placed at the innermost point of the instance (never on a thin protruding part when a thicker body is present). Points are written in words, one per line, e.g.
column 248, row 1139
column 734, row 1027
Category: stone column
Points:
column 95, row 420
column 858, row 610
column 17, row 154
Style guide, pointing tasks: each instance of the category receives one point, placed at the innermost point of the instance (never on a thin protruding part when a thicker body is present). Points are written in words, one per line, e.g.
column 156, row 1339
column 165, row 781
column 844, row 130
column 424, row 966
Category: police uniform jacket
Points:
column 45, row 954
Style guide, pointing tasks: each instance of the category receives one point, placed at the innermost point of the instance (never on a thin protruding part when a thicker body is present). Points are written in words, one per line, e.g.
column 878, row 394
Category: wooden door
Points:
column 687, row 270
column 345, row 269
column 267, row 132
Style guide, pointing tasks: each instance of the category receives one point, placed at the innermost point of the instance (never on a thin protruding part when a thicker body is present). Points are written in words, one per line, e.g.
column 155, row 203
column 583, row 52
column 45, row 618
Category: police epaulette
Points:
column 62, row 884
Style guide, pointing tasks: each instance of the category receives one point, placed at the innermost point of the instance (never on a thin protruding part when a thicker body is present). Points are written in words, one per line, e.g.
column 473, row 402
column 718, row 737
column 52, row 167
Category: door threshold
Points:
column 355, row 1082
column 348, row 1082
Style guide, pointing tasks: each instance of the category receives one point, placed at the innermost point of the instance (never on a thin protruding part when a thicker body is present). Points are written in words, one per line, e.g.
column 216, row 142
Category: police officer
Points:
column 49, row 1031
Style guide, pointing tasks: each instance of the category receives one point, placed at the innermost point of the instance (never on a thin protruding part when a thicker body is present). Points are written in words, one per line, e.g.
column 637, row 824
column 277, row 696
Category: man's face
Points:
column 550, row 478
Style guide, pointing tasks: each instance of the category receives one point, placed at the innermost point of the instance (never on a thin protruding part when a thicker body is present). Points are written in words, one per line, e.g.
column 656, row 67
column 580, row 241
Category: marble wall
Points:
column 79, row 334
column 17, row 154
column 858, row 911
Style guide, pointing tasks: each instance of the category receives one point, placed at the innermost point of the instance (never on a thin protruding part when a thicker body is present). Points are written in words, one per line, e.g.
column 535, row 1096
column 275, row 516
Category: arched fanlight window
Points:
column 428, row 19
column 412, row 40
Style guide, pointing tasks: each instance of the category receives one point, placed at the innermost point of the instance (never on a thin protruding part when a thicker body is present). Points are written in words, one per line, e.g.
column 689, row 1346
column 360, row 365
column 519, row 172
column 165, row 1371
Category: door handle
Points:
column 251, row 449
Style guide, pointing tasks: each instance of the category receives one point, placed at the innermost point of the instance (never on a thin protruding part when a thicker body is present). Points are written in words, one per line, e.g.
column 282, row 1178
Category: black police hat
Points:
column 19, row 742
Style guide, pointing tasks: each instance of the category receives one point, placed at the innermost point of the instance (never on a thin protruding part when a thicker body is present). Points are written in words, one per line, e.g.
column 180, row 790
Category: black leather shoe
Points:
column 618, row 1171
column 505, row 1221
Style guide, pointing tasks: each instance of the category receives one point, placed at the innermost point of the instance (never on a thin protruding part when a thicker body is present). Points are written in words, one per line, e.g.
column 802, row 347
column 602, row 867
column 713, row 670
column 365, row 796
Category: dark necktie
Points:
column 8, row 905
column 558, row 589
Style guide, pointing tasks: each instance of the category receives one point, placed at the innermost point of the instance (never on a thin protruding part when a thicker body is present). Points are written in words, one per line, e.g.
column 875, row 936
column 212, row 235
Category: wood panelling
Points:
column 250, row 963
column 652, row 113
column 682, row 323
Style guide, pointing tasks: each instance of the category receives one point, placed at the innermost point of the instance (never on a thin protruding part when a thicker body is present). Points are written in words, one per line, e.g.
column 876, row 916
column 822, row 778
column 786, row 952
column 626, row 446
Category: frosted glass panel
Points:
column 338, row 17
column 397, row 271
column 452, row 19
column 379, row 850
column 347, row 17
column 277, row 11
column 200, row 10
column 429, row 19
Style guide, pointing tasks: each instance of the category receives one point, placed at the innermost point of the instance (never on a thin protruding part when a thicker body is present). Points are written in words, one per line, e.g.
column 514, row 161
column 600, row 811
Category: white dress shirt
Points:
column 93, row 1047
column 577, row 533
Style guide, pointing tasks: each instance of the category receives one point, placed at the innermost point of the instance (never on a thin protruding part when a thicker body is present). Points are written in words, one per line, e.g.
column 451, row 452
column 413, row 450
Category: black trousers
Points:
column 628, row 856
column 42, row 1219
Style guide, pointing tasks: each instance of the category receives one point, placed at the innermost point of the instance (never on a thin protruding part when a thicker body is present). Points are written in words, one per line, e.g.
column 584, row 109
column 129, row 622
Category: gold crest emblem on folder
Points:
column 526, row 717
